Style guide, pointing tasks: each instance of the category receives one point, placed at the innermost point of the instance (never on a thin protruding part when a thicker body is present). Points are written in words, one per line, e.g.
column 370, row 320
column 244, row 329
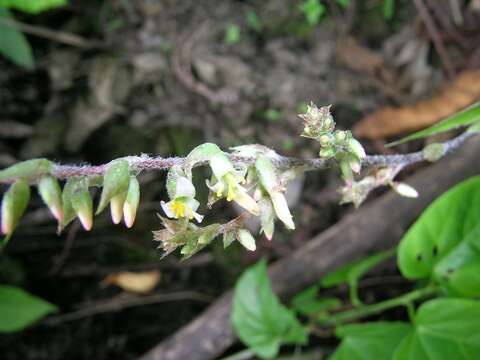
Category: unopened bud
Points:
column 51, row 195
column 327, row 152
column 131, row 203
column 116, row 207
column 246, row 239
column 14, row 204
column 356, row 149
column 340, row 135
column 404, row 190
column 115, row 182
column 325, row 140
column 83, row 207
column 434, row 152
column 355, row 166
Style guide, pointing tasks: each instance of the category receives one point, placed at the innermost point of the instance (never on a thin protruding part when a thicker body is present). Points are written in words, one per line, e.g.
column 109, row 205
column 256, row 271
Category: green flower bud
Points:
column 83, row 206
column 115, row 182
column 340, row 135
column 130, row 206
column 51, row 194
column 116, row 207
column 327, row 152
column 245, row 238
column 433, row 152
column 356, row 149
column 14, row 203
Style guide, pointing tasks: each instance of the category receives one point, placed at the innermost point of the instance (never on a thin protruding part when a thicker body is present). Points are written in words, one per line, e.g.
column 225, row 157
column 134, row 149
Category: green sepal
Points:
column 115, row 181
column 202, row 153
column 29, row 170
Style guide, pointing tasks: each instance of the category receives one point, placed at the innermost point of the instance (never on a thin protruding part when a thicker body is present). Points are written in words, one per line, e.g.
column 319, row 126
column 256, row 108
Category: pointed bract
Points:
column 115, row 181
column 51, row 194
column 245, row 238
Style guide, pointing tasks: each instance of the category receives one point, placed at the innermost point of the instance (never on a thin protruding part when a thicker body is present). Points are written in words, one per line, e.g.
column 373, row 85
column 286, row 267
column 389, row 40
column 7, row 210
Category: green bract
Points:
column 29, row 170
column 115, row 181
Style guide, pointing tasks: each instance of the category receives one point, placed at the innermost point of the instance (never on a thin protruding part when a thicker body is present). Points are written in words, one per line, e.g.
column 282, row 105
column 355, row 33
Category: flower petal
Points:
column 221, row 165
column 167, row 208
column 184, row 188
column 281, row 209
column 246, row 201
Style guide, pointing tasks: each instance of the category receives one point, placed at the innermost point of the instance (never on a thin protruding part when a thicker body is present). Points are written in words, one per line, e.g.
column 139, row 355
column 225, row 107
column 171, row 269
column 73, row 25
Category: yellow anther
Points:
column 178, row 208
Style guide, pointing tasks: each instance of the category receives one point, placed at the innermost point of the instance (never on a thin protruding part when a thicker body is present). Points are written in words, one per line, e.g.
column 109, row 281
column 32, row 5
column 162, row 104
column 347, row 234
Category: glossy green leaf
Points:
column 32, row 6
column 370, row 341
column 259, row 319
column 353, row 272
column 309, row 303
column 13, row 44
column 444, row 329
column 19, row 309
column 115, row 181
column 447, row 222
column 459, row 271
column 465, row 117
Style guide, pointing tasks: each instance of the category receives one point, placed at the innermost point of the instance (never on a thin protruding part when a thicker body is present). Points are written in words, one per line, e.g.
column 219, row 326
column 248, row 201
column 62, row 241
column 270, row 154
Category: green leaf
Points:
column 313, row 11
column 343, row 3
column 32, row 6
column 459, row 271
column 253, row 21
column 370, row 341
column 115, row 182
column 19, row 309
column 388, row 9
column 260, row 320
column 465, row 117
column 13, row 44
column 232, row 34
column 351, row 273
column 308, row 303
column 447, row 222
column 444, row 329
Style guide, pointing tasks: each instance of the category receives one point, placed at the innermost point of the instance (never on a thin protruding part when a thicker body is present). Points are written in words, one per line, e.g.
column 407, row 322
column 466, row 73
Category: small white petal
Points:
column 192, row 204
column 221, row 165
column 405, row 190
column 216, row 188
column 246, row 239
column 166, row 208
column 246, row 201
column 197, row 216
column 281, row 209
column 356, row 148
column 184, row 188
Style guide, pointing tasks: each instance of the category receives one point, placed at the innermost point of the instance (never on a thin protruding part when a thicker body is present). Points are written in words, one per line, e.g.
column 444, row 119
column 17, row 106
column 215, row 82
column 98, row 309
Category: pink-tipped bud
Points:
column 51, row 195
column 83, row 206
column 130, row 206
column 116, row 207
column 355, row 166
column 246, row 239
column 13, row 205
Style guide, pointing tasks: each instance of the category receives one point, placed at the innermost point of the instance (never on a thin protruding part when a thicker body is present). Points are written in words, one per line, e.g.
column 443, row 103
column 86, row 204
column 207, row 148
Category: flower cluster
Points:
column 258, row 189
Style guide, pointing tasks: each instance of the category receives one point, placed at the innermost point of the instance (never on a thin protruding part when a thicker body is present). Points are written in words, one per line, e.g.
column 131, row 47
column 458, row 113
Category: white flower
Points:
column 226, row 183
column 183, row 204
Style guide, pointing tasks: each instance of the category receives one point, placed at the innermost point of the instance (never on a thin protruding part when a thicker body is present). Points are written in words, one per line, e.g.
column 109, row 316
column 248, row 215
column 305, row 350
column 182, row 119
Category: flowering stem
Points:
column 145, row 162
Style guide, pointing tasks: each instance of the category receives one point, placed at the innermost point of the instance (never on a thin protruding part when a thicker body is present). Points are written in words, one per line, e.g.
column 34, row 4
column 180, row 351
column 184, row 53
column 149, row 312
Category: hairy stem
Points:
column 148, row 163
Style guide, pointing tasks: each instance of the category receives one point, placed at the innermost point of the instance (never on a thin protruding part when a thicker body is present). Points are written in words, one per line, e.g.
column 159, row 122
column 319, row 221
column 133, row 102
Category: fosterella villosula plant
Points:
column 253, row 176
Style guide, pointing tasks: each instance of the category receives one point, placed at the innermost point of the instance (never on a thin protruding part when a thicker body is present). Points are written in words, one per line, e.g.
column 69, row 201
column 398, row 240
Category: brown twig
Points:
column 181, row 66
column 54, row 35
column 126, row 301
